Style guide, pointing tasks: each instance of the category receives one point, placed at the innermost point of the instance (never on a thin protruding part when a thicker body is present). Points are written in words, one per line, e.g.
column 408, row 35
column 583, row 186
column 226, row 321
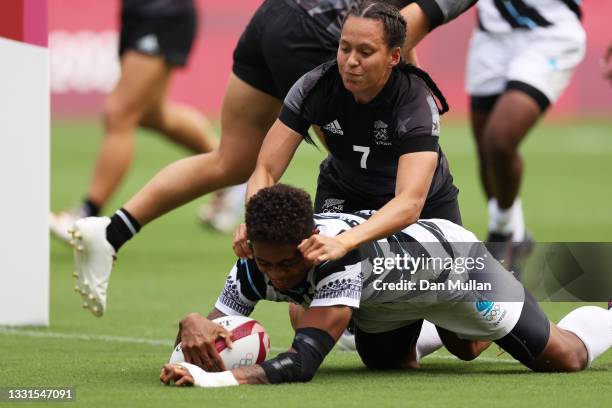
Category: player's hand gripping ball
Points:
column 251, row 343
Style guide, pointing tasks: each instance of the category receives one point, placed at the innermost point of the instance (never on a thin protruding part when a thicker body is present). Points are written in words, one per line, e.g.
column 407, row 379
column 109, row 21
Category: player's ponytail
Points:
column 411, row 69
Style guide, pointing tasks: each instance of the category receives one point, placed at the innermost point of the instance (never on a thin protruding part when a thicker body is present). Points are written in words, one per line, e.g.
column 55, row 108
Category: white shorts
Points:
column 470, row 313
column 543, row 58
column 483, row 320
column 479, row 320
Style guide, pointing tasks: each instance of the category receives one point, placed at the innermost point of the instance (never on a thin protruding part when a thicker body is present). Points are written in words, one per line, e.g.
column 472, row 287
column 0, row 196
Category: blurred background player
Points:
column 521, row 57
column 156, row 38
column 607, row 63
column 225, row 210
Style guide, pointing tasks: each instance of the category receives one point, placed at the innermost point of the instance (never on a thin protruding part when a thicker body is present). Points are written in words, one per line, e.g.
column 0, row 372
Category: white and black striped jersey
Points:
column 354, row 281
column 508, row 15
column 156, row 7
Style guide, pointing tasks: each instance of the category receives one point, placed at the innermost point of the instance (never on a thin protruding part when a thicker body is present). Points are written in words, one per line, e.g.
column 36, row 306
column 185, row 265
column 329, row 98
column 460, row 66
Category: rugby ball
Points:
column 250, row 343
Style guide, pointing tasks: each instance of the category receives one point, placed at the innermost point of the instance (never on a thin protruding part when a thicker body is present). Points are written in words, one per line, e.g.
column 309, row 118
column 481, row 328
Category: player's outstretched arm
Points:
column 414, row 174
column 276, row 152
column 319, row 330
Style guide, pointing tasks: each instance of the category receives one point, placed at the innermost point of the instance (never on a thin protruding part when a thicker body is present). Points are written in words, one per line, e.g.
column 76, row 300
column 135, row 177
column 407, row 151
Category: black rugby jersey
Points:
column 330, row 13
column 366, row 140
column 156, row 7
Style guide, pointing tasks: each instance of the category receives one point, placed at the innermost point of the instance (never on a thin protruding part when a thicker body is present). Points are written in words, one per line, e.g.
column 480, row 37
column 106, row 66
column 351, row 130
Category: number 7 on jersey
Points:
column 365, row 151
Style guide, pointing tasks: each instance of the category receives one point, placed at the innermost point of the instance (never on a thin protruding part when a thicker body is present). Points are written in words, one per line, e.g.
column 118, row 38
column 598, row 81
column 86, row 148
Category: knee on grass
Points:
column 467, row 352
column 568, row 356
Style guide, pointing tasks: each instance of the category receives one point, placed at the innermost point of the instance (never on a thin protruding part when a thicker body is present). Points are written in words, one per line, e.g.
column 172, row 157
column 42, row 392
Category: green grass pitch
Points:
column 175, row 267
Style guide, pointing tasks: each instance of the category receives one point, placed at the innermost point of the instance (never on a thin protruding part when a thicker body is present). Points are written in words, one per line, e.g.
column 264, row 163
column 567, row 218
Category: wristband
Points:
column 210, row 380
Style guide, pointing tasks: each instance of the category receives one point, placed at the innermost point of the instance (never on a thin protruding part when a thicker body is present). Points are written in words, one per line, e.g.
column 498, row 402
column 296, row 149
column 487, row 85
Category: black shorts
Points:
column 383, row 351
column 279, row 45
column 330, row 198
column 168, row 36
column 487, row 103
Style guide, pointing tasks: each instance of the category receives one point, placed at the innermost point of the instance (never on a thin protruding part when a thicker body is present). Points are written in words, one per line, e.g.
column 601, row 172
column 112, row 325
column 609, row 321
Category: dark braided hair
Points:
column 411, row 69
column 394, row 27
column 280, row 214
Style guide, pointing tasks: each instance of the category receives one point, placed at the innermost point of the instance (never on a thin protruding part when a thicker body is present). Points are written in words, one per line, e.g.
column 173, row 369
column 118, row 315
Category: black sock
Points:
column 122, row 228
column 91, row 209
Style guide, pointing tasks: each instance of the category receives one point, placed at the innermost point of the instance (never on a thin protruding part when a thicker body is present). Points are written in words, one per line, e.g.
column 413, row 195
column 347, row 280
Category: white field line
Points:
column 87, row 337
column 9, row 331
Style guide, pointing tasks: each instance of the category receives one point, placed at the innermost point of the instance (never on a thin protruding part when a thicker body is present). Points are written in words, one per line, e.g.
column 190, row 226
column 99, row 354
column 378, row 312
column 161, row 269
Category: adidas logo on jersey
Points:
column 334, row 127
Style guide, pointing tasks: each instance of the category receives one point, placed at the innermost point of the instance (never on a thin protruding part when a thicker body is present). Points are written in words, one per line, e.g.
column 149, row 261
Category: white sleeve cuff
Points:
column 228, row 311
column 210, row 380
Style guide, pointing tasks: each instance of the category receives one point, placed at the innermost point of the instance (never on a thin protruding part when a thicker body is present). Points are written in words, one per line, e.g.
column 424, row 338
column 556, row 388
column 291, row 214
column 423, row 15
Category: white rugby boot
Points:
column 225, row 210
column 61, row 222
column 93, row 258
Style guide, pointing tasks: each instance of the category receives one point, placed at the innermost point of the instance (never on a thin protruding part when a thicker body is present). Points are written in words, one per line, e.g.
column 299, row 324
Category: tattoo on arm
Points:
column 251, row 375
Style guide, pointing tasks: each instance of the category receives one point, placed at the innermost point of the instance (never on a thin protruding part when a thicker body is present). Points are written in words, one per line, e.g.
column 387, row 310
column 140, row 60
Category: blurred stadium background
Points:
column 175, row 266
column 566, row 155
column 83, row 40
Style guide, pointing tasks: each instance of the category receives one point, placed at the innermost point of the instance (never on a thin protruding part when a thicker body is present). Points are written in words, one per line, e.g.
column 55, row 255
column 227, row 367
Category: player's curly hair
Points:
column 280, row 214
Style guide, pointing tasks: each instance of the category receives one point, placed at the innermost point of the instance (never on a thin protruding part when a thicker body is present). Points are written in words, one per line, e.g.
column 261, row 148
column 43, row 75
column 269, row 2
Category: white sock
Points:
column 507, row 221
column 428, row 341
column 518, row 235
column 592, row 325
column 500, row 220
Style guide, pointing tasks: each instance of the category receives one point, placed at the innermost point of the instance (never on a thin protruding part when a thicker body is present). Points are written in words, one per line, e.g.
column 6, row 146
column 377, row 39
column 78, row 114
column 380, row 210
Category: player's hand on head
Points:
column 319, row 248
column 198, row 337
column 240, row 244
column 177, row 374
